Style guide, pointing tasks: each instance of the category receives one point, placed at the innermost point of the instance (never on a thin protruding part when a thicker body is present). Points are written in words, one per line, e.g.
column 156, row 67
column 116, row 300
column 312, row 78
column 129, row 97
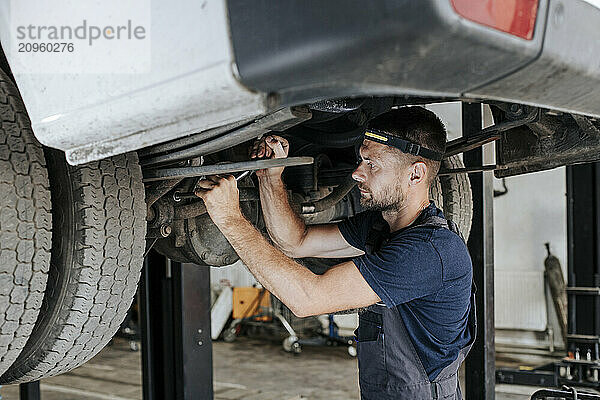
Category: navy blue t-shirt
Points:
column 425, row 272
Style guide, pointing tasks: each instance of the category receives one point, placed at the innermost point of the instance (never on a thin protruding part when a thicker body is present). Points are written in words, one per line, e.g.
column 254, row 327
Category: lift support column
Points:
column 480, row 364
column 583, row 234
column 175, row 324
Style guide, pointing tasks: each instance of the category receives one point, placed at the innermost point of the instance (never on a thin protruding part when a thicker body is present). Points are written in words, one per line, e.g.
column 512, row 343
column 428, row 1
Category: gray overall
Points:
column 389, row 367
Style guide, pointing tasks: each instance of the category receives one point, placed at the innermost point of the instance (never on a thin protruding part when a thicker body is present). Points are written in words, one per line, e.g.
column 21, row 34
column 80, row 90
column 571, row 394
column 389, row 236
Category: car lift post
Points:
column 175, row 325
column 583, row 270
column 29, row 391
column 480, row 364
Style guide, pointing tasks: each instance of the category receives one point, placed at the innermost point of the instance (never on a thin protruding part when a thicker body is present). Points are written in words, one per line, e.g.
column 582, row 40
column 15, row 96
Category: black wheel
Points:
column 296, row 348
column 25, row 225
column 452, row 194
column 97, row 253
column 230, row 334
column 290, row 345
column 134, row 346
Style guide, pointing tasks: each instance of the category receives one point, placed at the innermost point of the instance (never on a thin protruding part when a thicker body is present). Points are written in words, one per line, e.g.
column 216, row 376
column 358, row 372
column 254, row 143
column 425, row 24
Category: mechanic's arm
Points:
column 303, row 292
column 287, row 230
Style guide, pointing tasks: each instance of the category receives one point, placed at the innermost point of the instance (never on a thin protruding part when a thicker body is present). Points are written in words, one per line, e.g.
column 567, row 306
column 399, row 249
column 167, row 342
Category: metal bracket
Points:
column 469, row 170
column 590, row 291
column 487, row 135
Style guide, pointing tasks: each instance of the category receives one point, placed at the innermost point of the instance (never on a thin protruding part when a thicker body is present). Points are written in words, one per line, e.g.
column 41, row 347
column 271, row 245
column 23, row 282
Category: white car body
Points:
column 191, row 88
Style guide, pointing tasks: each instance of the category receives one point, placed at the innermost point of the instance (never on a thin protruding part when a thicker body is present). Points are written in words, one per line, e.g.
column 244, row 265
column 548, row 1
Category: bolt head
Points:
column 165, row 230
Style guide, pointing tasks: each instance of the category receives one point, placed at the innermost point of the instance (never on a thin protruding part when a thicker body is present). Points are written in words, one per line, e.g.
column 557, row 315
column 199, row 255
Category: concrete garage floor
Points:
column 249, row 369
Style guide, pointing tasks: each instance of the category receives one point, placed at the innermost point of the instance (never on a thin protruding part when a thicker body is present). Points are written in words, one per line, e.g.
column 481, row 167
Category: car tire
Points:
column 25, row 225
column 453, row 195
column 97, row 253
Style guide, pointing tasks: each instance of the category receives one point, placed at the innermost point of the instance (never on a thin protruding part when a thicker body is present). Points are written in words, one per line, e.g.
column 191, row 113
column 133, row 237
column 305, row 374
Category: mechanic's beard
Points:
column 390, row 199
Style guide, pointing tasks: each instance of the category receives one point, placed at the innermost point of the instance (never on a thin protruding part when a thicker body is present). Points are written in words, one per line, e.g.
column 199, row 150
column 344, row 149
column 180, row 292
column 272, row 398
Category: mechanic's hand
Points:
column 221, row 197
column 271, row 146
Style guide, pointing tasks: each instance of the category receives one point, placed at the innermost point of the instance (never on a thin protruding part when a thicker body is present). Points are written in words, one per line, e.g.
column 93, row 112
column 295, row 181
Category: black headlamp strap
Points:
column 403, row 145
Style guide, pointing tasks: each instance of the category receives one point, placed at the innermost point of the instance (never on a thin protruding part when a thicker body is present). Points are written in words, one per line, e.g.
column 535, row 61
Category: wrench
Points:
column 178, row 196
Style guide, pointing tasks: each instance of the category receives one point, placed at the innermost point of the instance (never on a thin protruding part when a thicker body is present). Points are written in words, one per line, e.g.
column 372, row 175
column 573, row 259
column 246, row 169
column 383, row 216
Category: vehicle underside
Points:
column 324, row 138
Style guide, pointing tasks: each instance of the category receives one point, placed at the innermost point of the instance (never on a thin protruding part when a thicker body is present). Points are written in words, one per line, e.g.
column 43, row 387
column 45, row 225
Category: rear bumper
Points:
column 311, row 50
column 566, row 74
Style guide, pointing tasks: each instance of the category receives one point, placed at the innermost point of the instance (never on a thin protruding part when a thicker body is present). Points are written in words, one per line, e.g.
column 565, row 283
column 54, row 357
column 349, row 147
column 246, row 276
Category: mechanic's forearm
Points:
column 289, row 281
column 285, row 227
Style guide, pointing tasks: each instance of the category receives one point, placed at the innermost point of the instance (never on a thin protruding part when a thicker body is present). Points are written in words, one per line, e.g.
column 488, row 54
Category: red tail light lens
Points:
column 516, row 17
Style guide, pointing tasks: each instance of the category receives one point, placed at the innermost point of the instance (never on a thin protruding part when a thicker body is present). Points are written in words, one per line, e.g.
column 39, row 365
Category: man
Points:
column 409, row 269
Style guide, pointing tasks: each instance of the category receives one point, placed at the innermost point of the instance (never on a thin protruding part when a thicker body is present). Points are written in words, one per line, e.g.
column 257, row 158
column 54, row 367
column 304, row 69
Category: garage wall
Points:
column 532, row 213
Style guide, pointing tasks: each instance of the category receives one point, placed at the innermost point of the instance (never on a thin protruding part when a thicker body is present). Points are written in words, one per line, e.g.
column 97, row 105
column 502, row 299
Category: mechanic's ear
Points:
column 418, row 173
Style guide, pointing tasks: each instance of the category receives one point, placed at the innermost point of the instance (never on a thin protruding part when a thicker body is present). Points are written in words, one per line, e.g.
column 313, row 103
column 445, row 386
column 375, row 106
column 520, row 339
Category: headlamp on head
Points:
column 404, row 146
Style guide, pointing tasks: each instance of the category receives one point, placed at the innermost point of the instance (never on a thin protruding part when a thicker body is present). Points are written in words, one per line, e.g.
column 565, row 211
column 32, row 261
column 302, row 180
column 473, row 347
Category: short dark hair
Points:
column 417, row 125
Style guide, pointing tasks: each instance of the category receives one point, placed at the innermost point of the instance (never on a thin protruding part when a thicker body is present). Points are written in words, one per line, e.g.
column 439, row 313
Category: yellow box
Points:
column 247, row 302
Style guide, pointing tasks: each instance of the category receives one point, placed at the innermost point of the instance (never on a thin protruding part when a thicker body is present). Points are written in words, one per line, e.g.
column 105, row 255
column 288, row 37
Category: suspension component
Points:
column 227, row 168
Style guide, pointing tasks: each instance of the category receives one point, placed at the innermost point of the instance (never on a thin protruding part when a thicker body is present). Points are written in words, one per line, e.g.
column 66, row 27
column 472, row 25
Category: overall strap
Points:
column 443, row 223
column 380, row 231
column 376, row 236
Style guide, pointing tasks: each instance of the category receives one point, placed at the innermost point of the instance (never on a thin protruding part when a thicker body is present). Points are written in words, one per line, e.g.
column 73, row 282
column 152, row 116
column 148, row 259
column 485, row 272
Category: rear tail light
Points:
column 516, row 17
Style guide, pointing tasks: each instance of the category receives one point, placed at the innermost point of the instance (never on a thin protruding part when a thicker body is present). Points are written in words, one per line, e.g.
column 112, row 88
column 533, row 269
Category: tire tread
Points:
column 453, row 195
column 25, row 225
column 108, row 255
